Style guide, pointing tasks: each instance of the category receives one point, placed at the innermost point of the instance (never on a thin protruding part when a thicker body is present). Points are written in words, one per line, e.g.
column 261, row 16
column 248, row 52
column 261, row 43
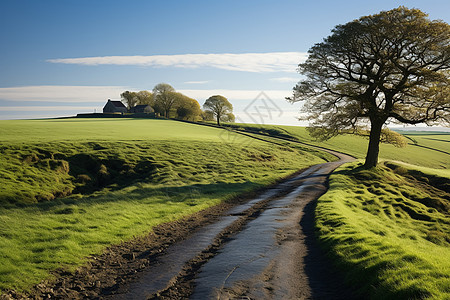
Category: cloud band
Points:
column 246, row 62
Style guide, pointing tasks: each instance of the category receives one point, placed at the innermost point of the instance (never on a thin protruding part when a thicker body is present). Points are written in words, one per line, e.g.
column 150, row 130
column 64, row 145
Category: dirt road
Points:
column 263, row 249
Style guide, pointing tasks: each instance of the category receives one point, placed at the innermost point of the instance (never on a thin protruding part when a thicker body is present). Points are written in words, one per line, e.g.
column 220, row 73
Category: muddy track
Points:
column 258, row 246
column 262, row 249
column 268, row 253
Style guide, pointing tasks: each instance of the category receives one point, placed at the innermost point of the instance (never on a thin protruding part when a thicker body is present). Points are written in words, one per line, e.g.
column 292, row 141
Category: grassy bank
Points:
column 389, row 229
column 72, row 187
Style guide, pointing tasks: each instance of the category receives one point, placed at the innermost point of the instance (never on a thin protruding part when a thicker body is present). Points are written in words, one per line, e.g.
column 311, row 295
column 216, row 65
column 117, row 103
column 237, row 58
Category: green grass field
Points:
column 389, row 229
column 58, row 130
column 440, row 142
column 422, row 152
column 72, row 187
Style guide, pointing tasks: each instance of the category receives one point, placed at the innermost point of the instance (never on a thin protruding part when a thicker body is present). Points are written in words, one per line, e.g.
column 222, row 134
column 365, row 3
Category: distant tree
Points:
column 207, row 115
column 229, row 117
column 387, row 136
column 130, row 99
column 145, row 98
column 393, row 138
column 188, row 108
column 161, row 88
column 220, row 107
column 393, row 66
column 165, row 98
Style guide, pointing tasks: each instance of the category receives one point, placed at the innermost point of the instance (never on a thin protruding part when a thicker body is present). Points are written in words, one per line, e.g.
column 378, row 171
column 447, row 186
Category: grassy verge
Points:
column 72, row 187
column 389, row 229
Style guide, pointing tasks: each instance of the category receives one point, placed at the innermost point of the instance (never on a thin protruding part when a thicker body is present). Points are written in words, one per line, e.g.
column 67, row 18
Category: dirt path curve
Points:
column 263, row 249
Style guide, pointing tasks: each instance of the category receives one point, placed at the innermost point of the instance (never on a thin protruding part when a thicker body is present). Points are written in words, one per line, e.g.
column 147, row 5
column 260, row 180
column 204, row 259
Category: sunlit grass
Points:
column 439, row 142
column 72, row 187
column 80, row 186
column 389, row 229
column 58, row 130
column 357, row 145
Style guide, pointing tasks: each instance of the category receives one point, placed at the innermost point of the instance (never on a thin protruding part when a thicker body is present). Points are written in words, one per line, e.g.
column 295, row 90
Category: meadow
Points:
column 71, row 187
column 424, row 149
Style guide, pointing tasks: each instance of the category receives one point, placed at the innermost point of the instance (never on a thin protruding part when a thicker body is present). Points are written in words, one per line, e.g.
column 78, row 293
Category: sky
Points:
column 63, row 57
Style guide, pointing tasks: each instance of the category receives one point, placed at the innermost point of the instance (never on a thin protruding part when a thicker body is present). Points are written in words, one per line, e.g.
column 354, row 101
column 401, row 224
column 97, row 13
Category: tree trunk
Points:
column 218, row 120
column 374, row 144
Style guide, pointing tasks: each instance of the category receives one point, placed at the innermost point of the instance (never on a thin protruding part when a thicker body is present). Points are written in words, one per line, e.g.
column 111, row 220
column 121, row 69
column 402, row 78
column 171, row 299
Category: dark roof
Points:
column 141, row 106
column 117, row 103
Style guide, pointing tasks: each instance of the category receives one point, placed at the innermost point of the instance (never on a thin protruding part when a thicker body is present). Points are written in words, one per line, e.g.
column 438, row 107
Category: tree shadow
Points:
column 325, row 280
column 188, row 194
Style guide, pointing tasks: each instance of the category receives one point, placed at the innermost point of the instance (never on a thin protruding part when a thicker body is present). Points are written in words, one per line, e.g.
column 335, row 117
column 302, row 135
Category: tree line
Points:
column 169, row 103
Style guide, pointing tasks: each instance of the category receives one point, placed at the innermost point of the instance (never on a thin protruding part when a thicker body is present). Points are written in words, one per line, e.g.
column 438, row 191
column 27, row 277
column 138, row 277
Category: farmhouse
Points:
column 141, row 109
column 114, row 107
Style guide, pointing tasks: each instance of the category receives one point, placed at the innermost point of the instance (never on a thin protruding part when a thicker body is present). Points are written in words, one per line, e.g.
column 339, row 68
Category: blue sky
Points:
column 59, row 58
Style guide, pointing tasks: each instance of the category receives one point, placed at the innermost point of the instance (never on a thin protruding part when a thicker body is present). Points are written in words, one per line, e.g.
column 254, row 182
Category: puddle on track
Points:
column 170, row 264
column 251, row 251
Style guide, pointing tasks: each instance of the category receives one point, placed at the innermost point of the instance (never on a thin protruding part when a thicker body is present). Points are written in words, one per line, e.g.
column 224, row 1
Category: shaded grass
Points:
column 43, row 172
column 64, row 200
column 389, row 229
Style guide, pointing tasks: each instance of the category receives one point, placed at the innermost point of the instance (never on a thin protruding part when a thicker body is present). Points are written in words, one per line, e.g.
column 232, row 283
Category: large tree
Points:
column 145, row 98
column 129, row 98
column 165, row 98
column 188, row 108
column 393, row 66
column 220, row 107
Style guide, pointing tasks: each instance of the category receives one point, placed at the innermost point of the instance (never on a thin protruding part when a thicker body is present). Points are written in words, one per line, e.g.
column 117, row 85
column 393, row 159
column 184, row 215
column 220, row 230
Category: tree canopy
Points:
column 220, row 107
column 145, row 97
column 393, row 66
column 165, row 98
column 166, row 101
column 131, row 99
column 188, row 108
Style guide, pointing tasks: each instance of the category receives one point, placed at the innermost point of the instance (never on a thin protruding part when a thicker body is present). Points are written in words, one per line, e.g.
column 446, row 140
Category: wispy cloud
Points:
column 235, row 94
column 45, row 108
column 197, row 82
column 58, row 93
column 247, row 62
column 285, row 79
column 92, row 94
